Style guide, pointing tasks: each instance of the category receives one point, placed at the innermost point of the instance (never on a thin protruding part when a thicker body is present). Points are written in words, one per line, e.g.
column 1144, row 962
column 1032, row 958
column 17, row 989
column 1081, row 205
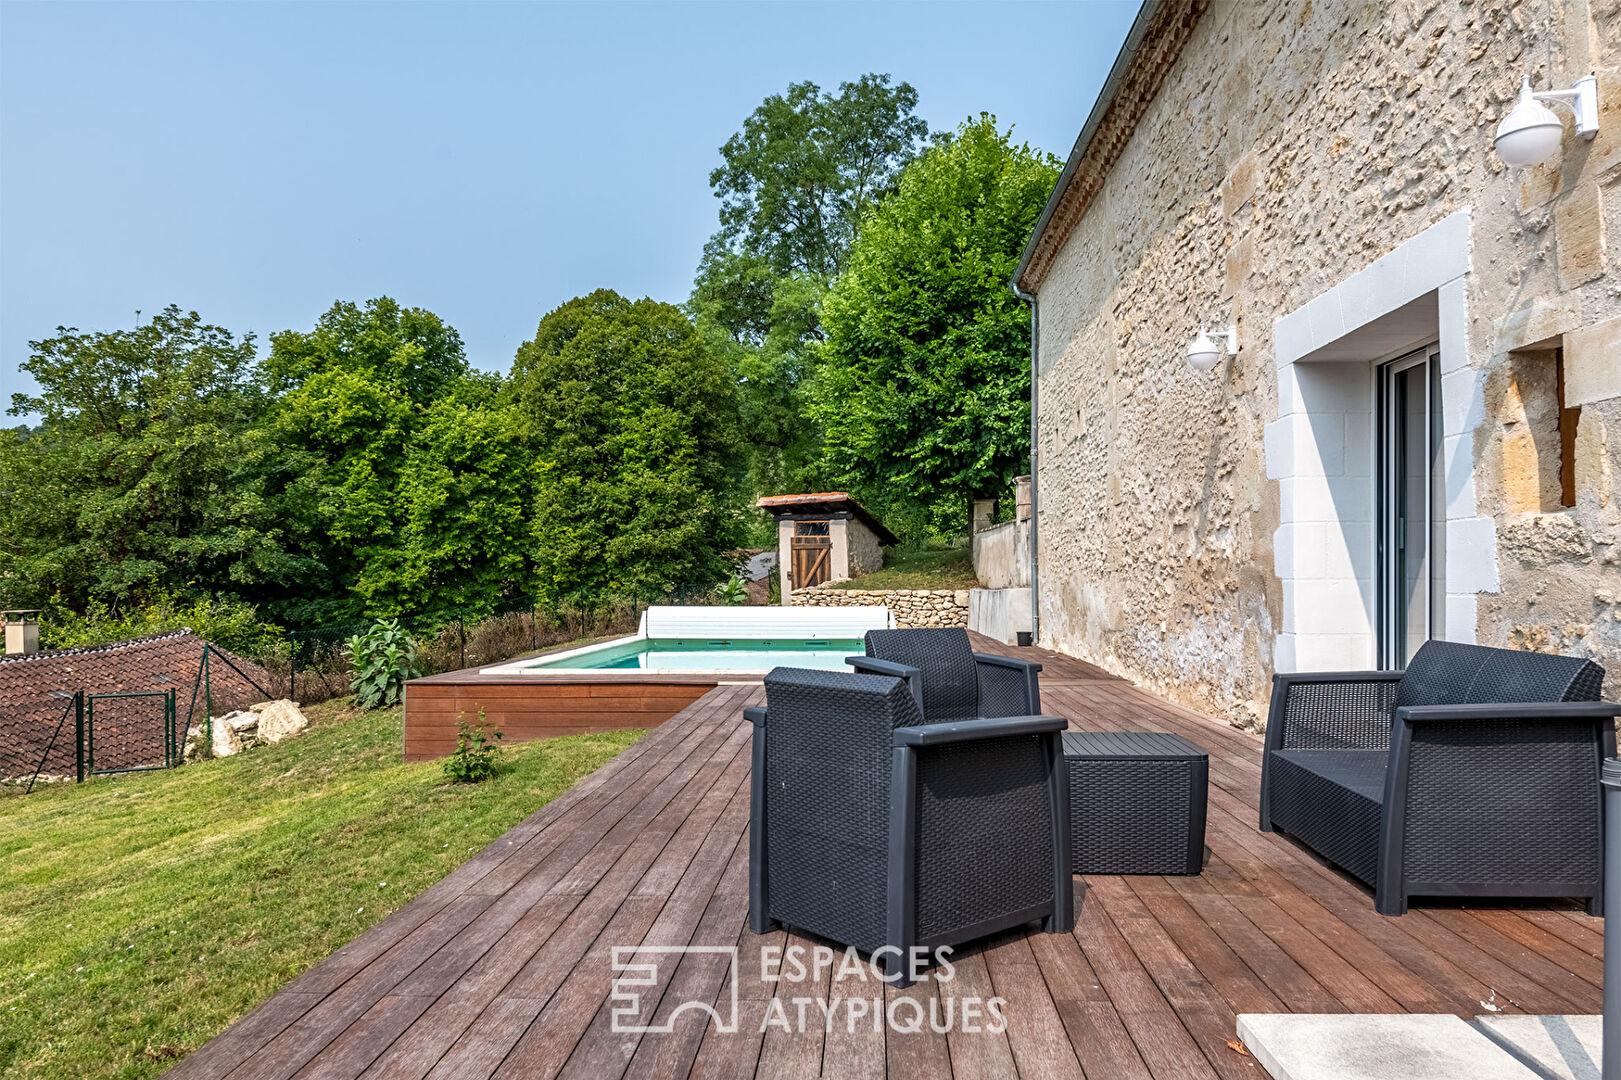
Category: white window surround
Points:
column 1321, row 448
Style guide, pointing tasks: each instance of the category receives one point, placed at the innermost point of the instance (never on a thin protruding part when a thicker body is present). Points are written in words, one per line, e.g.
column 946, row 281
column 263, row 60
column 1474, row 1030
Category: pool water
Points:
column 699, row 654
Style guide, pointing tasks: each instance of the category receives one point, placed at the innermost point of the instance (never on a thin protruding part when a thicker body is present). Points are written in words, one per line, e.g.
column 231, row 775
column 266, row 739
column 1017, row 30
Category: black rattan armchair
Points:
column 948, row 678
column 1473, row 773
column 874, row 829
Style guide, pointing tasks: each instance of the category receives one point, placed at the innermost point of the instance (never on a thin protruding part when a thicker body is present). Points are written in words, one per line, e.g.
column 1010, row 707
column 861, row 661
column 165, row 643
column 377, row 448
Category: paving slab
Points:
column 1311, row 1046
column 1560, row 1047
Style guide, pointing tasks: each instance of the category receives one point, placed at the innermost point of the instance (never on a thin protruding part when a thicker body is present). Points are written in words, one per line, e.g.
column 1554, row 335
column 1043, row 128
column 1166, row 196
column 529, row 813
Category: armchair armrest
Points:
column 1007, row 685
column 755, row 714
column 1006, row 661
column 1525, row 710
column 1327, row 709
column 1454, row 768
column 921, row 735
column 874, row 666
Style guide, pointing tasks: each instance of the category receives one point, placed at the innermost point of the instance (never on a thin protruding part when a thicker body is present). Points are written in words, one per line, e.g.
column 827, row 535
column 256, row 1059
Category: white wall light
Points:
column 1531, row 132
column 1207, row 349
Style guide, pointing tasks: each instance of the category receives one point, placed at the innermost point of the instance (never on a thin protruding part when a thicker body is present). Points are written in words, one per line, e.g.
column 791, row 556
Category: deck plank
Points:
column 503, row 968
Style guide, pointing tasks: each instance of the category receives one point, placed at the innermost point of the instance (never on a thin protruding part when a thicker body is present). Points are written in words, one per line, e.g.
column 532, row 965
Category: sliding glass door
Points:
column 1411, row 506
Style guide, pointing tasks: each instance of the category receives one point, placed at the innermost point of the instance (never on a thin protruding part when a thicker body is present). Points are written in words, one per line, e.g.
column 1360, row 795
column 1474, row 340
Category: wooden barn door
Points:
column 812, row 554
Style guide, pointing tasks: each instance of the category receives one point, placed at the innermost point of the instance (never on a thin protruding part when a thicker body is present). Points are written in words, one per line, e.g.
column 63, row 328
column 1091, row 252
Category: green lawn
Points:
column 952, row 568
column 141, row 914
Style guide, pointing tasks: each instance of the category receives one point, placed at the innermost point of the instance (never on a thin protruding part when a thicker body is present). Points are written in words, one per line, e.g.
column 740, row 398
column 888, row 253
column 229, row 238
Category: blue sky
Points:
column 257, row 161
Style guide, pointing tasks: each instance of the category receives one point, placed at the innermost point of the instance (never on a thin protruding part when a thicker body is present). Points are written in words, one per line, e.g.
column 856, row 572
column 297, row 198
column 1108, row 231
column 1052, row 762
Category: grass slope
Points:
column 952, row 568
column 141, row 914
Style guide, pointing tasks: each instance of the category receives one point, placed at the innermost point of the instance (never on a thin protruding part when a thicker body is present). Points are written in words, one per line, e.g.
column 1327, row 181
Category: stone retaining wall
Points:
column 911, row 607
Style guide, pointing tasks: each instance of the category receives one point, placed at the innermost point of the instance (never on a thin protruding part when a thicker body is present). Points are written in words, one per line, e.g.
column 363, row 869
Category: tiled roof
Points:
column 826, row 502
column 35, row 689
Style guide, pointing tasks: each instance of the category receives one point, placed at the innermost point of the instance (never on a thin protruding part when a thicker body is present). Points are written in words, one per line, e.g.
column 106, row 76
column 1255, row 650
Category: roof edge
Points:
column 1153, row 15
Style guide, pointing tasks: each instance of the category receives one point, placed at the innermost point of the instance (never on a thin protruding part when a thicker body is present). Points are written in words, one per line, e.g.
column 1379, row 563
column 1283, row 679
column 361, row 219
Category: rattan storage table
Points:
column 1136, row 802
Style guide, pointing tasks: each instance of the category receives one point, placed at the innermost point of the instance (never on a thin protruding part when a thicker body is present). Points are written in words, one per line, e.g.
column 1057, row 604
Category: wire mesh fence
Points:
column 130, row 732
column 115, row 708
column 152, row 695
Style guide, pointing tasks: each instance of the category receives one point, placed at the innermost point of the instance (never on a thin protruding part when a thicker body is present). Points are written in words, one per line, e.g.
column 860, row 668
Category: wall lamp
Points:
column 1531, row 132
column 1207, row 349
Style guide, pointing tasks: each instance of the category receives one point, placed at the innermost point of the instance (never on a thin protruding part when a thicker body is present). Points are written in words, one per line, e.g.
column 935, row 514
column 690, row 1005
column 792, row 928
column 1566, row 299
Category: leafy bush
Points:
column 230, row 624
column 732, row 591
column 478, row 752
column 383, row 658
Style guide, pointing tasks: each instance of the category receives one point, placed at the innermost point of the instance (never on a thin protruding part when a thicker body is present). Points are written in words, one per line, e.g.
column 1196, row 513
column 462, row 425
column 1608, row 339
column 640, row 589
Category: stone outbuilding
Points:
column 1419, row 433
column 824, row 536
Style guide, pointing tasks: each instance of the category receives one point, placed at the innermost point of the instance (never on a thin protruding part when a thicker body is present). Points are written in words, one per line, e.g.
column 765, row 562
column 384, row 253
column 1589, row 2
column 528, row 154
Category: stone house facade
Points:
column 1420, row 435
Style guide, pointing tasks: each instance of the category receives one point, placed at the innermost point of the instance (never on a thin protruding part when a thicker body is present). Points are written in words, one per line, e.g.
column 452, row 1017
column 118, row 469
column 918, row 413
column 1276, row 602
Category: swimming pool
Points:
column 700, row 655
column 683, row 642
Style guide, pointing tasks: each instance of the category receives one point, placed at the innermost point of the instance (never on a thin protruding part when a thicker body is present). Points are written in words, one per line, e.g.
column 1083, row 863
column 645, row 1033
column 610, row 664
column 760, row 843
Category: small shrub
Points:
column 383, row 658
column 478, row 752
column 732, row 591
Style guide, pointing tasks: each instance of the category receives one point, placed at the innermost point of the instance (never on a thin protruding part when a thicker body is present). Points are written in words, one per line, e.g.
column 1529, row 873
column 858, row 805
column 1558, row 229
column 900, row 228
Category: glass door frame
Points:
column 1392, row 628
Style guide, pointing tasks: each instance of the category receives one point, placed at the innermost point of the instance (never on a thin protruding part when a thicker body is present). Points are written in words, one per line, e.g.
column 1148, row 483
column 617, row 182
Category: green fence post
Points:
column 208, row 701
column 78, row 734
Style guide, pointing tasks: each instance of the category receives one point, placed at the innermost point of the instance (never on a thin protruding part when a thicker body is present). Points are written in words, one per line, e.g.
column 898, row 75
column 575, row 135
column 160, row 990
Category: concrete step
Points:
column 1306, row 1046
column 1558, row 1047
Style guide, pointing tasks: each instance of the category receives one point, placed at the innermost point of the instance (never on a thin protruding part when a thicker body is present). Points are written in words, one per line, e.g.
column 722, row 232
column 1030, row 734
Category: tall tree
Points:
column 793, row 185
column 139, row 477
column 633, row 416
column 465, row 491
column 353, row 392
column 799, row 175
column 923, row 386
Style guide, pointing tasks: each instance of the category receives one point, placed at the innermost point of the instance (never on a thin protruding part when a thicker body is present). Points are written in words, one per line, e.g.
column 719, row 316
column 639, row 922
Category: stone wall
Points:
column 1002, row 556
column 911, row 607
column 866, row 552
column 1290, row 146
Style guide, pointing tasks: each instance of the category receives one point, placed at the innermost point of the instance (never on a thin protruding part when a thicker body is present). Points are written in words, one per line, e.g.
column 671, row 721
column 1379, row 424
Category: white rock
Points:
column 242, row 721
column 280, row 720
column 226, row 741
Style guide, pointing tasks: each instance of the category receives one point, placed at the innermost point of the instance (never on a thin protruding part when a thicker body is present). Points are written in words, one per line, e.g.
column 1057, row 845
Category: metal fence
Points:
column 52, row 734
column 73, row 733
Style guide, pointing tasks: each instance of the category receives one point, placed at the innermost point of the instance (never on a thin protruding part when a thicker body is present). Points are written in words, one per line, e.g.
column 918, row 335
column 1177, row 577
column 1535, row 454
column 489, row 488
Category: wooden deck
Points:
column 503, row 969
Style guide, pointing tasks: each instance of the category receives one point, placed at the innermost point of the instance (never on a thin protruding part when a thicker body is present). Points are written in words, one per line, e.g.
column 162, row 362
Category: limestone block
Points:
column 280, row 720
column 1522, row 471
column 243, row 722
column 1593, row 363
column 1592, row 460
column 1540, row 322
column 1240, row 257
column 226, row 741
column 1578, row 223
column 1604, row 154
column 1239, row 187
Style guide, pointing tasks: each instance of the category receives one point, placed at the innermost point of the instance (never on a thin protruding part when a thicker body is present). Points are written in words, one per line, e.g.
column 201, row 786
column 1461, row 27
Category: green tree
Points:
column 353, row 394
column 141, row 477
column 922, row 387
column 465, row 491
column 793, row 184
column 634, row 418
